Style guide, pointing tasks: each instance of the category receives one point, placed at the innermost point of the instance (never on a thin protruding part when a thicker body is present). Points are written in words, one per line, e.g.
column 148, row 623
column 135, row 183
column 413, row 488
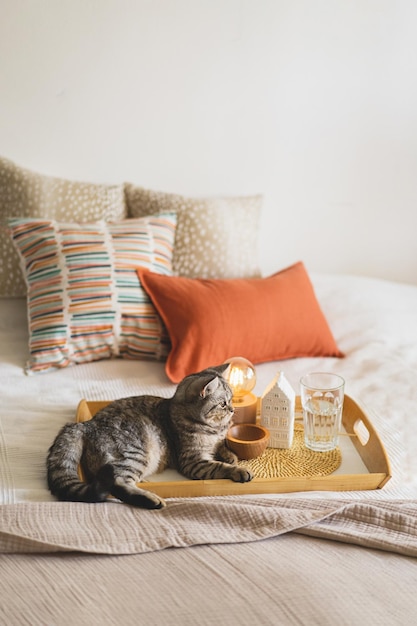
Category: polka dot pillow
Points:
column 215, row 237
column 85, row 300
column 24, row 193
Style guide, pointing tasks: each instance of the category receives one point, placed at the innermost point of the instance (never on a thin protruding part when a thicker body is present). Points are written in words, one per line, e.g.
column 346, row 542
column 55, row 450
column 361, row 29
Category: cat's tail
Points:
column 63, row 461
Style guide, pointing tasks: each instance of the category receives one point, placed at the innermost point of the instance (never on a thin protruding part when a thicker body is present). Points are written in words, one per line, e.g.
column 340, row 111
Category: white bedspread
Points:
column 374, row 323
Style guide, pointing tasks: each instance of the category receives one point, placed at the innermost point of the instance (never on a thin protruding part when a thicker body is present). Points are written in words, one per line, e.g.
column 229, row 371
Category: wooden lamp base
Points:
column 246, row 410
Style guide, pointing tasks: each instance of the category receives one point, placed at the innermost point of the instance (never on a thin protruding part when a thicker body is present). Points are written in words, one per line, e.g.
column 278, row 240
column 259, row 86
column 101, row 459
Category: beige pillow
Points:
column 215, row 237
column 24, row 193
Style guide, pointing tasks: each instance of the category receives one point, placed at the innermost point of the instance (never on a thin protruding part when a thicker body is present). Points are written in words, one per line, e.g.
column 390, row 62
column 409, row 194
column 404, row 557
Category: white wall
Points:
column 312, row 102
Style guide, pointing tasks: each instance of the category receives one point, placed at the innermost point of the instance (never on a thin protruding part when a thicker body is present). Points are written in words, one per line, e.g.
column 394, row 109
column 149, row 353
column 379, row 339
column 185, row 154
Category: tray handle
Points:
column 365, row 438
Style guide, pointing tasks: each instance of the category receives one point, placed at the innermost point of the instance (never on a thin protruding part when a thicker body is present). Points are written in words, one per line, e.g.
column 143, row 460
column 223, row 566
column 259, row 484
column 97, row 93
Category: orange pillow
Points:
column 262, row 319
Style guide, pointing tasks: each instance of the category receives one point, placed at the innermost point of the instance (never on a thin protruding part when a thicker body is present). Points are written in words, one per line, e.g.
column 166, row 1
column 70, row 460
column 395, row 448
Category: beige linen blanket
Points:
column 115, row 529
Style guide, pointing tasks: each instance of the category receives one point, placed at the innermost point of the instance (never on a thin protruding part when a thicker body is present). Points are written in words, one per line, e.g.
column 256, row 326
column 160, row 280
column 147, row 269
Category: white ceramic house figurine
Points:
column 278, row 411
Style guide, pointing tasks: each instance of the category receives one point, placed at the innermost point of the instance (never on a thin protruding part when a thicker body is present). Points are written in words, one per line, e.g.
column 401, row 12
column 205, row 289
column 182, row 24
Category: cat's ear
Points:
column 222, row 369
column 209, row 387
column 212, row 385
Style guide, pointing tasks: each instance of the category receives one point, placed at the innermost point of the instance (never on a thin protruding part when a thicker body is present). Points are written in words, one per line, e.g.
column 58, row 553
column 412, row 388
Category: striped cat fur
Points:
column 134, row 437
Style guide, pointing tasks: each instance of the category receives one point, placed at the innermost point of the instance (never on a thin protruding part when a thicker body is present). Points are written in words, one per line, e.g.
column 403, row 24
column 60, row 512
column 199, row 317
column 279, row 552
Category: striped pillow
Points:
column 85, row 301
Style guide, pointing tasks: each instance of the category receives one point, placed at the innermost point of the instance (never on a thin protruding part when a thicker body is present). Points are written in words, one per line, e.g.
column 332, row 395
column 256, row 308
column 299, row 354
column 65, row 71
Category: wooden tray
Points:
column 358, row 429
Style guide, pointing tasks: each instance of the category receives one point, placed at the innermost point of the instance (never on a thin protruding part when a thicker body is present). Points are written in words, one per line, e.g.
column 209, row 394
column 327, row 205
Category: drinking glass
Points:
column 322, row 397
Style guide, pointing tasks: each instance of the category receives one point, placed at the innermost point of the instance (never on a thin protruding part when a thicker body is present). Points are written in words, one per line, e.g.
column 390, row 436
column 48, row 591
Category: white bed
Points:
column 302, row 558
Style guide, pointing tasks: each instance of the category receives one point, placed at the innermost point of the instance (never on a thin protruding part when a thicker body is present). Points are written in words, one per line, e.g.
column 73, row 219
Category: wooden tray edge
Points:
column 372, row 451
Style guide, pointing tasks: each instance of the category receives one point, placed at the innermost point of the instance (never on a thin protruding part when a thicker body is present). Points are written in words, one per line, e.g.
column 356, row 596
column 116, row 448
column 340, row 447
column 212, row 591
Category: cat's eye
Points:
column 223, row 404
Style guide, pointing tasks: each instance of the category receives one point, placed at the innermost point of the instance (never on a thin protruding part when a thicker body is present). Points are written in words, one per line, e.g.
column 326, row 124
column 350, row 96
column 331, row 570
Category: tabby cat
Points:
column 135, row 437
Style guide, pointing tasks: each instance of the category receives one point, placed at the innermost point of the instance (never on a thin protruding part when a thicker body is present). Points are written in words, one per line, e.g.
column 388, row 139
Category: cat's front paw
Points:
column 228, row 457
column 241, row 475
column 223, row 453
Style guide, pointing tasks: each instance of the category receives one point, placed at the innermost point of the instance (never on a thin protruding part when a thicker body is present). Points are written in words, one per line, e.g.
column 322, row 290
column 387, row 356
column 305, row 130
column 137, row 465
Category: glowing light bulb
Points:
column 241, row 377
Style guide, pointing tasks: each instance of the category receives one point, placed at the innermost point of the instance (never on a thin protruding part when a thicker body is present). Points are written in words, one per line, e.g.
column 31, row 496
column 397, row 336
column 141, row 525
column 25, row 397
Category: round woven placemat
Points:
column 295, row 461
